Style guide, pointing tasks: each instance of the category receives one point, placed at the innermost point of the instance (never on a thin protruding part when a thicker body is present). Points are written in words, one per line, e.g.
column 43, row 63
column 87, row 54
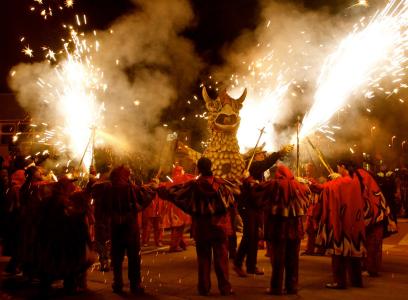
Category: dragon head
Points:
column 224, row 111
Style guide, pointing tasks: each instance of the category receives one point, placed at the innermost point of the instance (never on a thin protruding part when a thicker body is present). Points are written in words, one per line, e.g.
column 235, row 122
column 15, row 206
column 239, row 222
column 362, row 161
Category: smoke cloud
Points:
column 145, row 63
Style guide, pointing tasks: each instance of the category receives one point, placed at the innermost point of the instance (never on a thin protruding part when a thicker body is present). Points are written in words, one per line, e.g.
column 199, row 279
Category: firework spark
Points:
column 27, row 51
column 71, row 94
column 365, row 57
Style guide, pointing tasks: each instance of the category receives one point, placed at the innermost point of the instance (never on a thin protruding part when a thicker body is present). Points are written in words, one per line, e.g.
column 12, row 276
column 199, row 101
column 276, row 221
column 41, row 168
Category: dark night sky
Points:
column 216, row 22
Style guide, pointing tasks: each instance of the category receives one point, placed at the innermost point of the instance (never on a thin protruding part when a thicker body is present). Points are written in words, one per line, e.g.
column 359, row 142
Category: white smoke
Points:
column 145, row 62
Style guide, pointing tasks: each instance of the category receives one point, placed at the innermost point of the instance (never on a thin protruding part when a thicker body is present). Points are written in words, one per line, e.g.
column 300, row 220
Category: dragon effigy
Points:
column 223, row 148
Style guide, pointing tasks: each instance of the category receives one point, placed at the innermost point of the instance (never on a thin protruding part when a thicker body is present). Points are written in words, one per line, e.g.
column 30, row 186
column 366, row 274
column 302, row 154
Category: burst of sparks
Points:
column 269, row 80
column 262, row 106
column 69, row 3
column 28, row 51
column 50, row 55
column 366, row 56
column 71, row 95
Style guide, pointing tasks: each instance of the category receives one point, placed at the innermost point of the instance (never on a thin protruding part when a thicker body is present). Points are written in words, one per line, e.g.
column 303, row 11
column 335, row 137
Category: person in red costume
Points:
column 207, row 200
column 311, row 222
column 126, row 200
column 175, row 218
column 152, row 218
column 286, row 204
column 284, row 201
column 379, row 221
column 341, row 227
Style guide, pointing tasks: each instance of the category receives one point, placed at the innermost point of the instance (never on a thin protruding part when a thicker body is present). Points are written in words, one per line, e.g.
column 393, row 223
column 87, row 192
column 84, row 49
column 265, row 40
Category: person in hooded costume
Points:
column 207, row 200
column 62, row 237
column 13, row 224
column 100, row 191
column 379, row 221
column 285, row 201
column 341, row 227
column 125, row 201
column 251, row 213
column 152, row 219
column 175, row 218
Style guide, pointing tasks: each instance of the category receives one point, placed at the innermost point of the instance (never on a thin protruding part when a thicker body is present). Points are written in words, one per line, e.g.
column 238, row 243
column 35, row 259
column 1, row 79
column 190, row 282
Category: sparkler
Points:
column 366, row 56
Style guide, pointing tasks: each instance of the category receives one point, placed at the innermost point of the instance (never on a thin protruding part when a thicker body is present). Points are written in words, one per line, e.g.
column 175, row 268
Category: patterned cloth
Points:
column 341, row 213
column 376, row 209
column 206, row 199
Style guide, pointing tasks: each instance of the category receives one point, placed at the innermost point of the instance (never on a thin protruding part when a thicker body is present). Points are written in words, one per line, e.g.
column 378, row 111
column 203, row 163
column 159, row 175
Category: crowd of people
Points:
column 55, row 229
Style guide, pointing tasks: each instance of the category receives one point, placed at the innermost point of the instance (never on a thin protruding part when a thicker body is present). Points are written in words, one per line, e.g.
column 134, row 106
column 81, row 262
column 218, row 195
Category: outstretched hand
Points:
column 334, row 176
column 287, row 149
column 303, row 180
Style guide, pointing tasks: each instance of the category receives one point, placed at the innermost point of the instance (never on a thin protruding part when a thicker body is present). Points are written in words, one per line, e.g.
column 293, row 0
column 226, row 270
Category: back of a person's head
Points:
column 204, row 166
column 283, row 171
column 347, row 163
column 120, row 175
column 19, row 162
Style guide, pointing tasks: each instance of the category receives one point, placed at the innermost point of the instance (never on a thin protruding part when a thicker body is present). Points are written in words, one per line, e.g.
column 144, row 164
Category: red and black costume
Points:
column 206, row 200
column 341, row 228
column 378, row 220
column 174, row 218
column 286, row 203
column 252, row 217
column 126, row 200
column 101, row 195
column 61, row 237
column 152, row 218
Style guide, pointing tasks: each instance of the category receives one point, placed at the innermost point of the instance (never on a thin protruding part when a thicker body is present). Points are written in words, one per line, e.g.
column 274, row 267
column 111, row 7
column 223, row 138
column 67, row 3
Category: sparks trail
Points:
column 362, row 60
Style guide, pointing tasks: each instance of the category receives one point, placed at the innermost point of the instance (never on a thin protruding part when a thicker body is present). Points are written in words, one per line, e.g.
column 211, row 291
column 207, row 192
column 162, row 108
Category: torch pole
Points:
column 320, row 155
column 297, row 147
column 253, row 152
column 93, row 145
column 91, row 137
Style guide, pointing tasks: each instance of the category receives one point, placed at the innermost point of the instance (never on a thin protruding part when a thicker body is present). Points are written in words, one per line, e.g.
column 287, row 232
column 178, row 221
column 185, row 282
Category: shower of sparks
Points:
column 259, row 111
column 270, row 81
column 71, row 98
column 363, row 59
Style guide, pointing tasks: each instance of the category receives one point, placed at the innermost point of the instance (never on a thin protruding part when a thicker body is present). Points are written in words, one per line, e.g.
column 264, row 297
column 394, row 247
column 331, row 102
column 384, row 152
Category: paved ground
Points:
column 173, row 276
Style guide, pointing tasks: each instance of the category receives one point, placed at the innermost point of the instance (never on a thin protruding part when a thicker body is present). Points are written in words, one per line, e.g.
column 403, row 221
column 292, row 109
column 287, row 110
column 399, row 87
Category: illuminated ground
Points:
column 173, row 276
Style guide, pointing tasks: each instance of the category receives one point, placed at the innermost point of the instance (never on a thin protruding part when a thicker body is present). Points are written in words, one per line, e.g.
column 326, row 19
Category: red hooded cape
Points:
column 341, row 211
column 376, row 209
